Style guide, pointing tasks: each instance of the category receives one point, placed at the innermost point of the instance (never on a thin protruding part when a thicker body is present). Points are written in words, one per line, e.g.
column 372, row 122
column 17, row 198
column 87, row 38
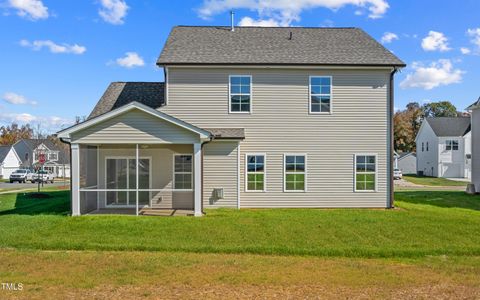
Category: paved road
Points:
column 21, row 186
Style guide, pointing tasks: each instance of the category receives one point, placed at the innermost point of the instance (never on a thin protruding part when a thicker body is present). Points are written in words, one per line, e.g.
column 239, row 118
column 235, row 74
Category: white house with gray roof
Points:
column 444, row 147
column 250, row 118
column 9, row 161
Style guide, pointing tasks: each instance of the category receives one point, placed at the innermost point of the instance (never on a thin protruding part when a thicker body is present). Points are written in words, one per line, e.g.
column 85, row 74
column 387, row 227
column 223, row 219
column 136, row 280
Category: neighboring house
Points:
column 250, row 118
column 475, row 143
column 9, row 161
column 57, row 160
column 444, row 147
column 407, row 162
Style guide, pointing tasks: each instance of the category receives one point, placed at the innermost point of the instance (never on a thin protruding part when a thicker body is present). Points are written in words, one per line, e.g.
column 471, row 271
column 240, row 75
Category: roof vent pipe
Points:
column 231, row 20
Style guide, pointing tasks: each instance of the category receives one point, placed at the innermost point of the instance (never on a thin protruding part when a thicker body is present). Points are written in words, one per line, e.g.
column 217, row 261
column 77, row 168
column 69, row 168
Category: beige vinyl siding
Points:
column 135, row 127
column 220, row 171
column 280, row 123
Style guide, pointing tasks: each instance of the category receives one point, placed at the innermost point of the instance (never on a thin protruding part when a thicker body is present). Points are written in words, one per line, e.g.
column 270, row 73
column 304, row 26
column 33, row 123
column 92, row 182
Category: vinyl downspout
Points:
column 70, row 154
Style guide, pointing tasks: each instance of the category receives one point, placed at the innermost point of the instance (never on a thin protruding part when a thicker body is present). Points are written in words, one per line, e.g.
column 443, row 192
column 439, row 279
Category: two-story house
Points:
column 247, row 117
column 56, row 160
column 444, row 147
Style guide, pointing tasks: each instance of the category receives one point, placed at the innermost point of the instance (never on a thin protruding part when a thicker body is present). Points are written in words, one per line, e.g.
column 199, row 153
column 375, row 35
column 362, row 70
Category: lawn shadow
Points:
column 58, row 203
column 446, row 199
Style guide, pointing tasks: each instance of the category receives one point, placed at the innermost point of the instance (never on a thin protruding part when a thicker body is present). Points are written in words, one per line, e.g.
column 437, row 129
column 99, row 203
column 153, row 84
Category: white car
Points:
column 43, row 176
column 21, row 176
column 397, row 174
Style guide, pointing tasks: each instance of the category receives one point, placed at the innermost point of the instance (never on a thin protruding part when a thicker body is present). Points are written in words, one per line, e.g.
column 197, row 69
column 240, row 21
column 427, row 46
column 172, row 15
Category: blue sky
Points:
column 57, row 57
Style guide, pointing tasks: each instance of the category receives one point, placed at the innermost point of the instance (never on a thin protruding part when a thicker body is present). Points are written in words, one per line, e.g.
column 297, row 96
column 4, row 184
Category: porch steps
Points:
column 165, row 212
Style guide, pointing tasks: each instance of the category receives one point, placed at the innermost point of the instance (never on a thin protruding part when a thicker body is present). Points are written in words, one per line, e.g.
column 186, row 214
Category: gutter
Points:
column 391, row 200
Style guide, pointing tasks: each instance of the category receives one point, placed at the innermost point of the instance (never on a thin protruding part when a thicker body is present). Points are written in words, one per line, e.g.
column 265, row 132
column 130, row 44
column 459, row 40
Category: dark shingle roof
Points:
column 474, row 104
column 3, row 152
column 272, row 45
column 227, row 133
column 24, row 146
column 405, row 154
column 448, row 126
column 121, row 93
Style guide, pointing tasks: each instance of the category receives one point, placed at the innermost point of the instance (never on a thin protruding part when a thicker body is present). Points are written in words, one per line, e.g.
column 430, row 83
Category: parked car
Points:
column 43, row 176
column 397, row 174
column 21, row 176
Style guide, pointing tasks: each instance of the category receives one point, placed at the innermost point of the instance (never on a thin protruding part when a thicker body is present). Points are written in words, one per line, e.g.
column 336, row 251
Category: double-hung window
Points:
column 365, row 172
column 294, row 172
column 240, row 93
column 255, row 172
column 452, row 145
column 320, row 94
column 182, row 175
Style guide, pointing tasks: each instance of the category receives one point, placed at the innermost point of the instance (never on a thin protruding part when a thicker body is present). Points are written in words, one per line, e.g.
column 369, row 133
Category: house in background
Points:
column 444, row 147
column 254, row 117
column 407, row 162
column 474, row 108
column 57, row 160
column 9, row 161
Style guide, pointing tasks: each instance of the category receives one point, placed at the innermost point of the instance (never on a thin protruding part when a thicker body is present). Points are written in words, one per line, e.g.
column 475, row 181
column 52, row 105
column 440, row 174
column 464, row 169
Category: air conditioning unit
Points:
column 218, row 193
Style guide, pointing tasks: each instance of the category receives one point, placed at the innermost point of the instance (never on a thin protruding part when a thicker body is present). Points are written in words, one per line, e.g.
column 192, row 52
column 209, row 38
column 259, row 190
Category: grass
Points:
column 426, row 223
column 66, row 274
column 433, row 181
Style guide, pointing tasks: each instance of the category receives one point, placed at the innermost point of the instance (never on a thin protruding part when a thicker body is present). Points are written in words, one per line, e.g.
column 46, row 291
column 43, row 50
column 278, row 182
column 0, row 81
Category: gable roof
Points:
column 449, row 126
column 272, row 45
column 3, row 152
column 119, row 94
column 406, row 154
column 65, row 133
column 474, row 105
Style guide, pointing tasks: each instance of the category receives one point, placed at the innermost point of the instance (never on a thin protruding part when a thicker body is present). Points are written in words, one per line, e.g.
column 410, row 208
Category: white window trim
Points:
column 230, row 95
column 264, row 172
column 355, row 172
column 310, row 95
column 128, row 179
column 173, row 173
column 285, row 173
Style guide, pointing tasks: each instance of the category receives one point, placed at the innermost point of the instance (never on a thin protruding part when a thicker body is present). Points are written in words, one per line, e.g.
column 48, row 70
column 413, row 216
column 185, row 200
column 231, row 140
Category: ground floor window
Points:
column 255, row 172
column 294, row 169
column 365, row 172
column 182, row 177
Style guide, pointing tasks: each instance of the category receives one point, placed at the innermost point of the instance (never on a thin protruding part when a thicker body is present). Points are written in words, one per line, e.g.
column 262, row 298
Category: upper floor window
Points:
column 423, row 146
column 452, row 145
column 53, row 156
column 365, row 172
column 320, row 94
column 240, row 93
column 427, row 146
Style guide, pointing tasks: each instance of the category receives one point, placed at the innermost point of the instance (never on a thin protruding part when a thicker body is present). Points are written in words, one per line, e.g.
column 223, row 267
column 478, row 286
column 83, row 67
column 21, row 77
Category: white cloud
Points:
column 435, row 41
column 287, row 11
column 247, row 21
column 465, row 50
column 17, row 99
column 474, row 33
column 389, row 37
column 53, row 47
column 113, row 11
column 48, row 123
column 436, row 74
column 32, row 9
column 130, row 60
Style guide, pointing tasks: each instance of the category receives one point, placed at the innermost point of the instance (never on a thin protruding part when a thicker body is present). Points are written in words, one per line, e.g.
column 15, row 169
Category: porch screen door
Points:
column 121, row 175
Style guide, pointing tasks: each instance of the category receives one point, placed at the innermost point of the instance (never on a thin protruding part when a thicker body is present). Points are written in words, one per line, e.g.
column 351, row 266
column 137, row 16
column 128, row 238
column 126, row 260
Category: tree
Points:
column 440, row 109
column 10, row 134
column 406, row 126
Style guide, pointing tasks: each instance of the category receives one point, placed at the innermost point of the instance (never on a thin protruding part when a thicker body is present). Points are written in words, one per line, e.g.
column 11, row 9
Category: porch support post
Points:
column 75, row 178
column 136, row 179
column 197, row 171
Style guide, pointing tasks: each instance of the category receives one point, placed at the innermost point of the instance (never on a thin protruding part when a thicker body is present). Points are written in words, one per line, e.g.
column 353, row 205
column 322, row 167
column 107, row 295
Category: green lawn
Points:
column 425, row 223
column 433, row 181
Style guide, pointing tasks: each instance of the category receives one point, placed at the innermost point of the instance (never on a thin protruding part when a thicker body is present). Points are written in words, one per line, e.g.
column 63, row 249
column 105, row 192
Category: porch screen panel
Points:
column 88, row 167
column 117, row 179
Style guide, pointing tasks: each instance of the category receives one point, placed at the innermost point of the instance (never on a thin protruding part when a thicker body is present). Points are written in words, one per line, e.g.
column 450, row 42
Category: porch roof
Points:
column 66, row 133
